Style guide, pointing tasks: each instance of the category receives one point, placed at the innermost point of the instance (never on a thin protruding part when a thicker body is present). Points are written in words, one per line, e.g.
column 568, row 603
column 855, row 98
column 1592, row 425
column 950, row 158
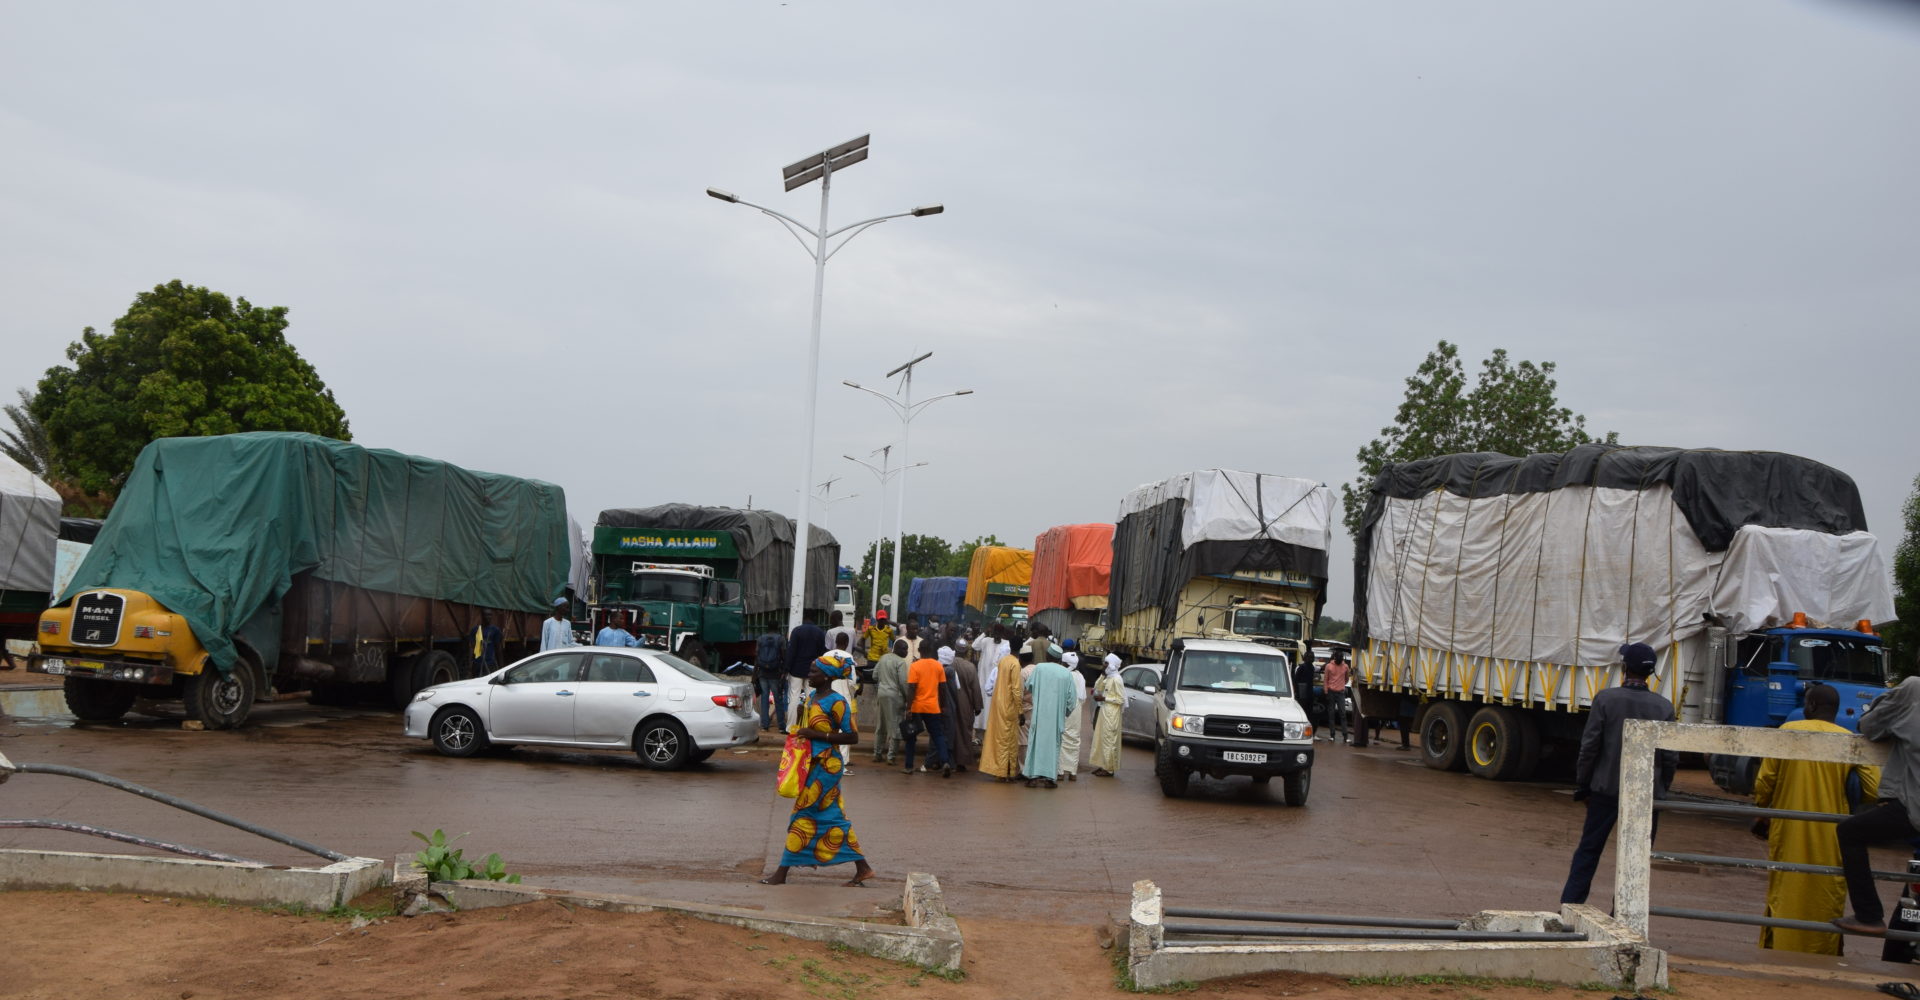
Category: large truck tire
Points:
column 98, row 701
column 400, row 689
column 694, row 651
column 1502, row 744
column 1173, row 778
column 221, row 700
column 1443, row 731
column 433, row 667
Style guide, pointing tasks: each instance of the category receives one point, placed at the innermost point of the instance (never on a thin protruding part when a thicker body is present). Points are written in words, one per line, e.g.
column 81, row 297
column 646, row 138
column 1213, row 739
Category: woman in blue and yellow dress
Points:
column 819, row 834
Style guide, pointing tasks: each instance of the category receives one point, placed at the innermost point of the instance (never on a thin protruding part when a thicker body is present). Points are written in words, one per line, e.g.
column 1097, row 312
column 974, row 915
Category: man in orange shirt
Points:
column 924, row 679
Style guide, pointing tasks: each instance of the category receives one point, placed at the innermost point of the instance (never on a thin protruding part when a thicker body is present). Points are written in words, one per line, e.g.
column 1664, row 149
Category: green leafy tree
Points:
column 1904, row 635
column 27, row 442
column 920, row 555
column 1334, row 629
column 183, row 362
column 1513, row 407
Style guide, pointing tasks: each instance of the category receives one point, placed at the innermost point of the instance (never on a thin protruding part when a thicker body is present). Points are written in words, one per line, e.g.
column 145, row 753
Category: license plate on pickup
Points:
column 1242, row 757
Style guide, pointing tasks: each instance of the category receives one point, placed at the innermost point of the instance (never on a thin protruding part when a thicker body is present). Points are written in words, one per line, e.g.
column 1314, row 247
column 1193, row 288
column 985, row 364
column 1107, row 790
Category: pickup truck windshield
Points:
column 1838, row 658
column 1272, row 624
column 667, row 587
column 1208, row 670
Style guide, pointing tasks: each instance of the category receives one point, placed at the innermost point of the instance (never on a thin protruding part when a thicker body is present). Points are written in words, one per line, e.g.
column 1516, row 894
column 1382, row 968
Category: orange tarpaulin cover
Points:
column 996, row 564
column 1071, row 564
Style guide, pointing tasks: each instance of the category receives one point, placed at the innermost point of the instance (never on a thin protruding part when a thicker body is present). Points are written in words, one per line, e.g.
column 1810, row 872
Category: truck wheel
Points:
column 1173, row 777
column 662, row 744
column 434, row 667
column 400, row 689
column 457, row 732
column 695, row 652
column 1502, row 744
column 1442, row 733
column 221, row 700
column 1295, row 786
column 98, row 701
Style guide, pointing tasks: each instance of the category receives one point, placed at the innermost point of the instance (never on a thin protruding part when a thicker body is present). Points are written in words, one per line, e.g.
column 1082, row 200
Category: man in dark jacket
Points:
column 1597, row 775
column 770, row 678
column 804, row 646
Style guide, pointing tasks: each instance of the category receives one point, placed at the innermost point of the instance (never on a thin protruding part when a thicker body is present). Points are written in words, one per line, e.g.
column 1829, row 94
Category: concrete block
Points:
column 929, row 946
column 313, row 888
column 926, row 906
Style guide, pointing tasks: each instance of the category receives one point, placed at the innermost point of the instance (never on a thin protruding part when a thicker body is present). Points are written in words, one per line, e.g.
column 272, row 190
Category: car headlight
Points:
column 427, row 695
column 1297, row 730
column 1194, row 724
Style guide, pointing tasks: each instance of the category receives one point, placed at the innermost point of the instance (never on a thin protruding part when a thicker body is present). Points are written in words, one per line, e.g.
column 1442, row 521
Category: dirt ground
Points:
column 78, row 946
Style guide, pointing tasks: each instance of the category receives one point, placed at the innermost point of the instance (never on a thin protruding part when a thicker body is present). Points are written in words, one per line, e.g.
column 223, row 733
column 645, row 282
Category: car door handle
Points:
column 564, row 694
column 643, row 694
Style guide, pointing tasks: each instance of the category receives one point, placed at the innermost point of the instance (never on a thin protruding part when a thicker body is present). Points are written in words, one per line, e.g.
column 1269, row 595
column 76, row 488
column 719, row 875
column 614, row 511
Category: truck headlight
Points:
column 1192, row 724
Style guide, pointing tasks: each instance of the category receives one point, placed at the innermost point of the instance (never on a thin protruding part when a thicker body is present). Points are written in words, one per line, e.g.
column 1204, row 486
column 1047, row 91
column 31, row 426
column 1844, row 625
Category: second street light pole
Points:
column 883, row 474
column 820, row 166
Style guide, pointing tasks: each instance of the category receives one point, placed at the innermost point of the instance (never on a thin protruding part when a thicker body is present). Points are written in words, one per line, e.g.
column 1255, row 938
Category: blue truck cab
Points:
column 1771, row 672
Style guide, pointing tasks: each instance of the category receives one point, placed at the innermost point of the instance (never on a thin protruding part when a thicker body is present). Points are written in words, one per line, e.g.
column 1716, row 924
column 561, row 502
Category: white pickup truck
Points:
column 1226, row 707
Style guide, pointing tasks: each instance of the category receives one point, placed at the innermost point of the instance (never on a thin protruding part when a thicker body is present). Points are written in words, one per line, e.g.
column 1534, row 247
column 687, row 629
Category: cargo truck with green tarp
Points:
column 243, row 564
column 705, row 582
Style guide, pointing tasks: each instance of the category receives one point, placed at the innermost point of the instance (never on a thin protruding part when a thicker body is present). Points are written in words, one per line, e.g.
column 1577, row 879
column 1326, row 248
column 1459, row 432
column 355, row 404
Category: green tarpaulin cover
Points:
column 215, row 528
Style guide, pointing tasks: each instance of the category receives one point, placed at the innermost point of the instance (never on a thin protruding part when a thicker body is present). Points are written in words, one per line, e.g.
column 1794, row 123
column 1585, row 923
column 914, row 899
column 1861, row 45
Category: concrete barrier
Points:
column 34, row 701
column 253, row 885
column 931, row 938
column 1612, row 953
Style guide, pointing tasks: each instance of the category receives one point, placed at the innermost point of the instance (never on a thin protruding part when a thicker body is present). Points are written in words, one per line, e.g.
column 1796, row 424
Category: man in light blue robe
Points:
column 616, row 634
column 556, row 632
column 1051, row 691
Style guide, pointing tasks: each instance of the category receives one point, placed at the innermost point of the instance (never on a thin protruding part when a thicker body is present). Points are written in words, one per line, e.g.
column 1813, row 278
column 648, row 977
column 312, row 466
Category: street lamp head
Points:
column 935, row 209
column 964, row 392
column 854, row 385
column 726, row 196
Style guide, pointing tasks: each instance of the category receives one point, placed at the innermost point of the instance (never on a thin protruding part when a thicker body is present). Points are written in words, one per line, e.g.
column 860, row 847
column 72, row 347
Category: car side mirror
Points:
column 497, row 679
column 1149, row 689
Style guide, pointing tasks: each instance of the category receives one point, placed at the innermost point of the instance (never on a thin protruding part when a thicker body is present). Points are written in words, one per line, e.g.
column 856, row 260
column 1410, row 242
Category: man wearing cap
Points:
column 879, row 636
column 1597, row 776
column 557, row 632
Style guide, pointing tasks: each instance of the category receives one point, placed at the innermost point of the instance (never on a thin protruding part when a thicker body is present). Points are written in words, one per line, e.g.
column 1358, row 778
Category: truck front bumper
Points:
column 1223, row 757
column 96, row 668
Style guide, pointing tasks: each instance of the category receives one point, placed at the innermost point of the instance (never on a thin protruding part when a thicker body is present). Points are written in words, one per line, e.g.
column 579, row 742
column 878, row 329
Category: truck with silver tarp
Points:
column 1219, row 554
column 1492, row 595
column 235, row 566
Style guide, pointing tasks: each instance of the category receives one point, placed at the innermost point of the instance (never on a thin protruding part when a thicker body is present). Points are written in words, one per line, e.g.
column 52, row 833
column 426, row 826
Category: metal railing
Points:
column 1255, row 924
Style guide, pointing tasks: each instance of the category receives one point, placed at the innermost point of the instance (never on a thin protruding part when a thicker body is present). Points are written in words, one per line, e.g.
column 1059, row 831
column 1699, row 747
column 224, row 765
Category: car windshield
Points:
column 1212, row 670
column 667, row 587
column 1838, row 658
column 1272, row 624
column 688, row 670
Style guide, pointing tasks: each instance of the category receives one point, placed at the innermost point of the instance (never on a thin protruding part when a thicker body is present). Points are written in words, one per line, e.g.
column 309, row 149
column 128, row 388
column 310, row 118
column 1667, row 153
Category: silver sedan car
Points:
column 1140, row 683
column 666, row 710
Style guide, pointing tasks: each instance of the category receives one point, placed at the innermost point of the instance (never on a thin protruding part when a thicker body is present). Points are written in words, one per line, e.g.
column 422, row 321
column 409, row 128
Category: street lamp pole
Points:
column 907, row 411
column 880, row 524
column 820, row 166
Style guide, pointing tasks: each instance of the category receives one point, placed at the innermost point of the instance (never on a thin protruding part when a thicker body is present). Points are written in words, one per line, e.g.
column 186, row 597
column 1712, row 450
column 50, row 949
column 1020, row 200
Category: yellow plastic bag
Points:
column 794, row 761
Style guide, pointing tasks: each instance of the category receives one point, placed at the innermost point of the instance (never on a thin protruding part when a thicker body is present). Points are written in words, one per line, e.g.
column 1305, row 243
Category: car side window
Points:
column 1135, row 678
column 617, row 669
column 560, row 667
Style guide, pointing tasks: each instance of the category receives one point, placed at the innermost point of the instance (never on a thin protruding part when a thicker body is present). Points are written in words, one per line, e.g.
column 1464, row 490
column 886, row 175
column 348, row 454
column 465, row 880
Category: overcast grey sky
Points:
column 1178, row 236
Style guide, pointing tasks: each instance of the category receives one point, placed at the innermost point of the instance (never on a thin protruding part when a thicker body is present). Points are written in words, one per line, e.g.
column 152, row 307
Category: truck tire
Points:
column 98, row 701
column 694, row 651
column 221, row 700
column 1502, row 744
column 1173, row 777
column 1295, row 787
column 434, row 667
column 457, row 732
column 661, row 743
column 400, row 689
column 1443, row 731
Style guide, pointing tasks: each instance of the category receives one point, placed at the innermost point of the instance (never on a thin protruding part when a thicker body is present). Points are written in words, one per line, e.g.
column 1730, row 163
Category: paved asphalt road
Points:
column 1381, row 834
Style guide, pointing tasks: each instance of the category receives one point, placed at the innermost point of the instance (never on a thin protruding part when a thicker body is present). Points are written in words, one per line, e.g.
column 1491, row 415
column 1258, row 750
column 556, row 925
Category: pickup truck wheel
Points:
column 1295, row 787
column 1501, row 744
column 1442, row 735
column 221, row 700
column 1173, row 777
column 98, row 701
column 662, row 744
column 457, row 732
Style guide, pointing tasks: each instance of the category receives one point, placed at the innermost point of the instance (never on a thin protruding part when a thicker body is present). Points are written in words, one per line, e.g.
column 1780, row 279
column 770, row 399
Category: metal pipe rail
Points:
column 125, row 838
column 1762, row 864
column 1744, row 812
column 1311, row 918
column 8, row 768
column 1753, row 921
column 1362, row 933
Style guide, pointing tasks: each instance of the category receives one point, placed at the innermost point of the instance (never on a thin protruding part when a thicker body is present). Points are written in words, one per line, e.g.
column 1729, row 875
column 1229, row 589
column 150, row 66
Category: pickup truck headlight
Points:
column 1192, row 725
column 1298, row 730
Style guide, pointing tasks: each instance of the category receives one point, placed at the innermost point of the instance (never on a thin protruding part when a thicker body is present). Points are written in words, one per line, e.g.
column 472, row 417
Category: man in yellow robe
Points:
column 1000, row 750
column 1808, row 786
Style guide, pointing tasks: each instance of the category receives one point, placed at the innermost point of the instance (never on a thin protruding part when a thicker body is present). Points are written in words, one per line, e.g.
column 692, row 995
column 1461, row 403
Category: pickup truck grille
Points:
column 96, row 619
column 1229, row 728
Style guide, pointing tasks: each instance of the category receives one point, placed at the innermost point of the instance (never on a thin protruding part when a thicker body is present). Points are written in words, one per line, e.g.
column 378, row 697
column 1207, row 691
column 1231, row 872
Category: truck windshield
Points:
column 1271, row 624
column 667, row 587
column 1209, row 670
column 1838, row 658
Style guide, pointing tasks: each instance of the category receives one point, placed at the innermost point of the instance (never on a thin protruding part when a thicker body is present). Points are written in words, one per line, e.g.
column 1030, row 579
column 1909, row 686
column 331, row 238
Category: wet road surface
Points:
column 1380, row 834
